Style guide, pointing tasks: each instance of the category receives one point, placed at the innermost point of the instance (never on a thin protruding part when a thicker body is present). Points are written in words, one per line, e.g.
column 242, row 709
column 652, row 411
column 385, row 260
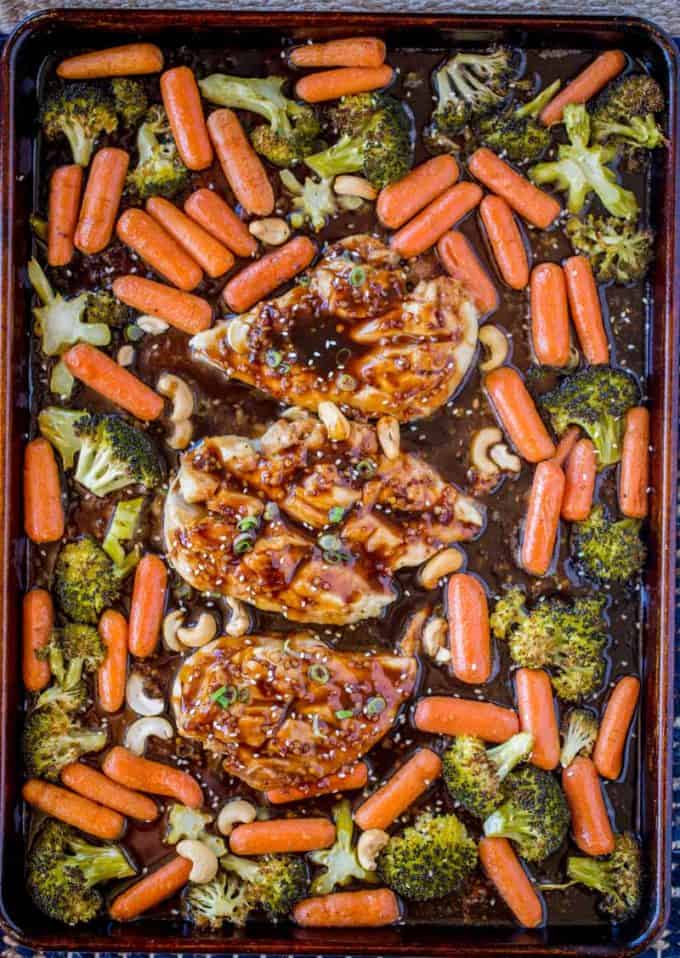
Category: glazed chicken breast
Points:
column 354, row 334
column 288, row 713
column 312, row 519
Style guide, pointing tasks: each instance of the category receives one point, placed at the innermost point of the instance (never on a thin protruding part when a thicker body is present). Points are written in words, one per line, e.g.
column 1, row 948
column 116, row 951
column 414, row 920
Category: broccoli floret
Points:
column 115, row 454
column 104, row 308
column 159, row 170
column 224, row 899
column 340, row 861
column 581, row 169
column 617, row 877
column 60, row 322
column 192, row 824
column 534, row 814
column 54, row 738
column 637, row 131
column 633, row 95
column 85, row 580
column 429, row 859
column 73, row 650
column 314, row 202
column 58, row 427
column 63, row 870
column 579, row 732
column 606, row 550
column 277, row 882
column 81, row 112
column 130, row 99
column 121, row 529
column 519, row 134
column 617, row 250
column 508, row 612
column 596, row 399
column 473, row 773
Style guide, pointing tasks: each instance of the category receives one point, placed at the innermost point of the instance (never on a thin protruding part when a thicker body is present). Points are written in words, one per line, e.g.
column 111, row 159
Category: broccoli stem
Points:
column 99, row 863
column 542, row 98
column 589, row 872
column 40, row 282
column 506, row 756
column 243, row 867
column 346, row 156
column 504, row 824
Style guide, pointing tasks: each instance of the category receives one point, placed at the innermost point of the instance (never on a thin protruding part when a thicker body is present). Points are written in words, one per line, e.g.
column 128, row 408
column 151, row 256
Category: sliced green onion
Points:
column 330, row 543
column 343, row 355
column 344, row 714
column 334, row 558
column 271, row 511
column 304, row 280
column 376, row 705
column 133, row 333
column 366, row 468
column 316, row 728
column 336, row 514
column 243, row 543
column 284, row 368
column 225, row 696
column 248, row 523
column 319, row 673
column 273, row 358
column 244, row 695
column 357, row 276
column 346, row 382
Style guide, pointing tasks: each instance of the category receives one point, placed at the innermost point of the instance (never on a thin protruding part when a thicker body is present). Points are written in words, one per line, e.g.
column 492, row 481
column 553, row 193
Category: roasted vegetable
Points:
column 611, row 551
column 81, row 112
column 534, row 814
column 617, row 250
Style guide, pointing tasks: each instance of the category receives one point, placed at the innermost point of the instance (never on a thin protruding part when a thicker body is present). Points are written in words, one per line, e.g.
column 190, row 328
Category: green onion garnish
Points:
column 366, row 468
column 248, row 523
column 346, row 382
column 319, row 673
column 225, row 696
column 273, row 358
column 344, row 714
column 357, row 276
column 375, row 705
column 243, row 543
column 330, row 543
column 336, row 514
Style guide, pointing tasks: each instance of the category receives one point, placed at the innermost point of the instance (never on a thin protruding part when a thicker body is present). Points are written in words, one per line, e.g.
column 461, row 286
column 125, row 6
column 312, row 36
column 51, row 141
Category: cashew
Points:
column 199, row 634
column 180, row 434
column 466, row 510
column 171, row 623
column 497, row 345
column 177, row 390
column 434, row 636
column 482, row 441
column 137, row 733
column 271, row 230
column 444, row 563
column 125, row 356
column 152, row 324
column 504, row 459
column 387, row 429
column 237, row 335
column 295, row 413
column 370, row 844
column 239, row 620
column 337, row 425
column 204, row 860
column 138, row 700
column 345, row 185
column 235, row 812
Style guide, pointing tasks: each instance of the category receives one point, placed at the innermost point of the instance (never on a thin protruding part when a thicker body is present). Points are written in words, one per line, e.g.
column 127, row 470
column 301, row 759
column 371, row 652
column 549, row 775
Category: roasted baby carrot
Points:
column 369, row 908
column 634, row 473
column 543, row 518
column 282, row 835
column 91, row 783
column 579, row 485
column 66, row 184
column 240, row 163
column 355, row 777
column 518, row 414
column 147, row 605
column 589, row 82
column 210, row 255
column 131, row 59
column 353, row 52
column 549, row 315
column 212, row 213
column 112, row 673
column 182, row 310
column 159, row 249
column 613, row 733
column 106, row 377
column 182, row 102
column 73, row 809
column 467, row 612
column 143, row 775
column 566, row 444
column 504, row 869
column 155, row 887
column 536, row 709
column 590, row 823
column 505, row 240
column 105, row 183
column 43, row 508
column 534, row 205
column 36, row 631
column 586, row 310
column 262, row 277
column 462, row 263
column 423, row 231
column 332, row 84
column 399, row 202
column 400, row 791
column 447, row 715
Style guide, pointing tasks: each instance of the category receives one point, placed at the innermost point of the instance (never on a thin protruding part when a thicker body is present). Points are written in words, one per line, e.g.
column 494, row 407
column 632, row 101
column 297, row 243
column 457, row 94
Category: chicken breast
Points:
column 306, row 525
column 355, row 335
column 288, row 713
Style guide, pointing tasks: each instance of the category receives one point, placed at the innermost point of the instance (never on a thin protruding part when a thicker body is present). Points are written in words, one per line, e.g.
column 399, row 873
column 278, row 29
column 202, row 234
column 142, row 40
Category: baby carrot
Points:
column 240, row 163
column 131, row 59
column 147, row 605
column 36, row 632
column 586, row 310
column 447, row 715
column 43, row 508
column 579, row 484
column 355, row 777
column 66, row 184
column 106, row 377
column 549, row 315
column 73, row 809
column 332, row 84
column 353, row 52
column 182, row 102
column 543, row 518
column 504, row 869
column 105, row 183
column 263, row 276
column 143, row 775
column 159, row 249
column 537, row 715
column 505, row 240
column 212, row 213
column 112, row 673
column 533, row 204
column 155, row 887
column 590, row 823
column 613, row 732
column 462, row 263
column 634, row 474
column 369, row 908
column 469, row 637
column 589, row 82
column 399, row 202
column 282, row 835
column 518, row 414
column 210, row 255
column 182, row 310
column 400, row 791
column 566, row 444
column 423, row 231
column 89, row 782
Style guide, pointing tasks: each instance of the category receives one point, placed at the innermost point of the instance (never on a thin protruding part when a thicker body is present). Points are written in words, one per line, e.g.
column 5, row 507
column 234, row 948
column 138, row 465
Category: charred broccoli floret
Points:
column 85, row 580
column 224, row 899
column 81, row 112
column 579, row 732
column 121, row 529
column 340, row 862
column 191, row 823
column 102, row 307
column 159, row 170
column 63, row 870
column 624, row 115
column 60, row 322
column 606, row 550
column 276, row 882
column 534, row 814
column 130, row 99
column 73, row 650
column 115, row 454
column 58, row 426
column 617, row 877
column 617, row 250
column 518, row 134
column 474, row 774
column 54, row 738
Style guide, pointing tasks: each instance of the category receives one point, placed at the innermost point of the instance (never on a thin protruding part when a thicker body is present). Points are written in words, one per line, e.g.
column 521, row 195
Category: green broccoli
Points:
column 314, row 202
column 276, row 882
column 103, row 307
column 58, row 427
column 192, row 824
column 159, row 170
column 473, row 774
column 624, row 115
column 61, row 380
column 617, row 250
column 429, row 859
column 606, row 550
column 579, row 732
column 534, row 814
column 115, row 454
column 81, row 112
column 636, row 131
column 340, row 861
column 73, row 650
column 224, row 899
column 60, row 322
column 121, row 529
column 518, row 134
column 54, row 738
column 85, row 580
column 130, row 99
column 596, row 399
column 617, row 877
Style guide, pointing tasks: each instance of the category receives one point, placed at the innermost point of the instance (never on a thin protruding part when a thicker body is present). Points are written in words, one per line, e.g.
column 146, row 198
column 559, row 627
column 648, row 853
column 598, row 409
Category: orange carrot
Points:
column 147, row 605
column 400, row 791
column 159, row 249
column 355, row 777
column 613, row 732
column 282, row 835
column 332, row 84
column 354, row 52
column 537, row 715
column 399, row 202
column 240, row 163
column 518, row 414
column 543, row 518
column 440, row 215
column 504, row 869
column 469, row 637
column 262, row 277
column 590, row 823
column 112, row 673
column 210, row 255
column 533, row 204
column 43, row 508
column 369, row 908
column 579, row 483
column 106, row 377
column 62, row 215
column 589, row 82
column 461, row 261
column 182, row 102
column 505, row 240
column 182, row 310
column 37, row 624
column 73, row 809
column 101, row 199
column 155, row 887
column 131, row 59
column 549, row 315
column 89, row 782
column 212, row 213
column 143, row 775
column 634, row 474
column 586, row 310
column 447, row 715
column 566, row 444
